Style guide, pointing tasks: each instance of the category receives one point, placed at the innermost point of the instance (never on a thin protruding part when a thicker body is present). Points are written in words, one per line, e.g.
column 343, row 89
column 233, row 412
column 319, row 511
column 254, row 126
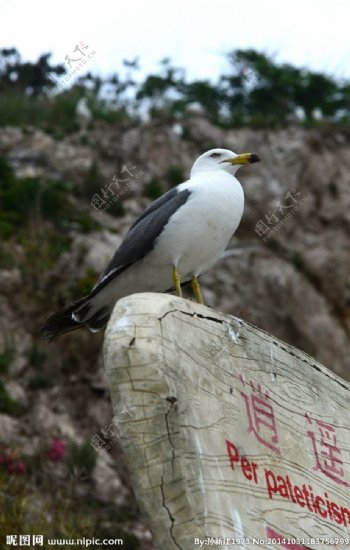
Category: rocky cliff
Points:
column 286, row 271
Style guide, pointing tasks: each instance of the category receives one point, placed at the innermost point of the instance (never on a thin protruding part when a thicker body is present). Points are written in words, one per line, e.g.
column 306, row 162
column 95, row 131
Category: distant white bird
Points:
column 178, row 237
column 195, row 108
column 317, row 114
column 177, row 129
column 299, row 113
column 83, row 114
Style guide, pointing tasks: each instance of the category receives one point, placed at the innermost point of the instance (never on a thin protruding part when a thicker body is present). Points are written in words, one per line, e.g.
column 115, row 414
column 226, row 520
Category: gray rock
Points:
column 108, row 485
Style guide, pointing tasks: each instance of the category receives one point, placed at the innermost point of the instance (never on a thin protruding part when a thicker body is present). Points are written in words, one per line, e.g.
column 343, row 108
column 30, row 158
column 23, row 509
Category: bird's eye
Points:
column 215, row 155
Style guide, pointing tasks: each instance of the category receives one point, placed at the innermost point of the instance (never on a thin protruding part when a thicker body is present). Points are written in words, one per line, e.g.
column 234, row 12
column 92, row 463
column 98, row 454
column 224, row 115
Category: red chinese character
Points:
column 261, row 417
column 326, row 451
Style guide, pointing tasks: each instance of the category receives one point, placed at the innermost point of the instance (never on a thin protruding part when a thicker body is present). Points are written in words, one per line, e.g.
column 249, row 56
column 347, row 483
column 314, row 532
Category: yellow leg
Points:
column 197, row 290
column 177, row 282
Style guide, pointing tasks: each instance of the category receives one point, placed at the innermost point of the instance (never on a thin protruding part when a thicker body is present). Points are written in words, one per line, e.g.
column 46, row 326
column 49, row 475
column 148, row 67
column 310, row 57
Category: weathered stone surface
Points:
column 109, row 488
column 224, row 426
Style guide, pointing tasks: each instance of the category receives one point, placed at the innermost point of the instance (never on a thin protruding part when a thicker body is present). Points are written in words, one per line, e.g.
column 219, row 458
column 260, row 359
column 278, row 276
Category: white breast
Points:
column 196, row 236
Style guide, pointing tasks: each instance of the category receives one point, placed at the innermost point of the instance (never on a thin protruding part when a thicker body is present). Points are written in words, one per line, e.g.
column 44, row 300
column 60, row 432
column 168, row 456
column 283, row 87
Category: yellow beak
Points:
column 244, row 158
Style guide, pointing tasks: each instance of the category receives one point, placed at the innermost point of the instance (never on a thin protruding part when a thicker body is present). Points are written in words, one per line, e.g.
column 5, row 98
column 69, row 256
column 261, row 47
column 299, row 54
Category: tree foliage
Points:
column 275, row 93
column 32, row 79
column 255, row 90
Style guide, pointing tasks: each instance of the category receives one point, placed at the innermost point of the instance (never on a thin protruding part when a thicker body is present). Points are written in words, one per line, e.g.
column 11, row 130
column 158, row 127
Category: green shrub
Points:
column 6, row 357
column 7, row 404
column 81, row 459
column 174, row 176
column 153, row 189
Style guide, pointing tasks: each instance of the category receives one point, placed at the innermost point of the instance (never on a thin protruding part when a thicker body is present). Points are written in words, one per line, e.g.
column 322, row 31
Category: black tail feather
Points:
column 62, row 321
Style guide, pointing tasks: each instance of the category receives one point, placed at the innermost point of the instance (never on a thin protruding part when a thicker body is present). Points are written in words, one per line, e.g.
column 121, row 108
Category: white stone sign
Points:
column 233, row 438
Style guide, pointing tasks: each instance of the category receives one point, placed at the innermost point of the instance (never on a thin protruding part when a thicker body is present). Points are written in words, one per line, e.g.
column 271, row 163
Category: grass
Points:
column 6, row 356
column 25, row 511
column 37, row 356
column 7, row 404
column 55, row 114
column 35, row 501
column 34, row 200
column 81, row 459
column 56, row 512
column 40, row 254
column 34, row 197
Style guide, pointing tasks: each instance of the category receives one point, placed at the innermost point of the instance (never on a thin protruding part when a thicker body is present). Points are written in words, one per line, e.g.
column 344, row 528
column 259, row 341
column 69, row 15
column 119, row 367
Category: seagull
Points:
column 83, row 113
column 178, row 237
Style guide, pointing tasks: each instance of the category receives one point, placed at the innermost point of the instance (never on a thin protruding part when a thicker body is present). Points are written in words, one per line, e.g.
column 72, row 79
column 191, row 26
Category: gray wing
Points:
column 142, row 235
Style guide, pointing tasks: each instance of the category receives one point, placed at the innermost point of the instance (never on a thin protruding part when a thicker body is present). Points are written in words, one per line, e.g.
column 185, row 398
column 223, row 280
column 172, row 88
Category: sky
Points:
column 195, row 34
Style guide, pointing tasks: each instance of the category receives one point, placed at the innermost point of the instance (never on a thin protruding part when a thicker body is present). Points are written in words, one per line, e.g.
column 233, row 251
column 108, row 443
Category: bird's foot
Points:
column 177, row 282
column 197, row 290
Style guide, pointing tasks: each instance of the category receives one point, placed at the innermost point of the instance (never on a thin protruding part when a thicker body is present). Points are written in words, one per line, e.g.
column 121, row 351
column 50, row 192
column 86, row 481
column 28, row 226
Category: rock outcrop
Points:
column 287, row 269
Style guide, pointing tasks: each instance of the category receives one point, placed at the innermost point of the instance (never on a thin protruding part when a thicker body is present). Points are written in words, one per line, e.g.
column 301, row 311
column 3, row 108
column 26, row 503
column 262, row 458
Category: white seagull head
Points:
column 222, row 159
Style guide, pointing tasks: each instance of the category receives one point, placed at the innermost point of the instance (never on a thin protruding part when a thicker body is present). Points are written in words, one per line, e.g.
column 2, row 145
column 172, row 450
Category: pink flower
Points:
column 57, row 449
column 16, row 468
